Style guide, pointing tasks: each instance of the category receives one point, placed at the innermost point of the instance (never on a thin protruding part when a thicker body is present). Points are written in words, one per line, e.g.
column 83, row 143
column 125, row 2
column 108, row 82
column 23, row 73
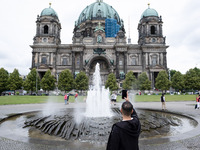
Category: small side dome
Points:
column 49, row 12
column 149, row 12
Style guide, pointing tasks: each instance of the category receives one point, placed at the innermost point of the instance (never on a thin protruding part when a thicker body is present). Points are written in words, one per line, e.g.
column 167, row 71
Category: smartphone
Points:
column 124, row 93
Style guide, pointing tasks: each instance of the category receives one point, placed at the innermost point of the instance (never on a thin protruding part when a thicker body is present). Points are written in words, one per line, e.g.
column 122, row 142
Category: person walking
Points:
column 198, row 100
column 125, row 134
column 65, row 98
column 162, row 98
column 113, row 98
column 68, row 94
column 76, row 96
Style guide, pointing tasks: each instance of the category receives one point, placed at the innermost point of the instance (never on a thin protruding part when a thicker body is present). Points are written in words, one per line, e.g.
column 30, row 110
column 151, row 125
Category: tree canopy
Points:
column 192, row 79
column 172, row 73
column 48, row 81
column 81, row 81
column 15, row 81
column 178, row 81
column 111, row 82
column 162, row 81
column 65, row 81
column 129, row 81
column 3, row 80
column 32, row 80
column 143, row 82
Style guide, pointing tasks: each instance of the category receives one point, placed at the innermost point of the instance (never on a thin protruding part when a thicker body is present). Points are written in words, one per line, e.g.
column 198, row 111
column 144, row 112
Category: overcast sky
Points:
column 181, row 27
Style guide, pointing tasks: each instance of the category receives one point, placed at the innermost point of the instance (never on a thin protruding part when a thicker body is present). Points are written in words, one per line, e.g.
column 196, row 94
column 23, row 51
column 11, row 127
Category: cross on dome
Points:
column 148, row 5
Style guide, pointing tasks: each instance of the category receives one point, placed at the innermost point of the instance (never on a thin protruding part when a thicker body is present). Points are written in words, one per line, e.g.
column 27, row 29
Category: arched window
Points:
column 153, row 30
column 46, row 29
column 64, row 62
column 154, row 61
column 78, row 62
column 133, row 61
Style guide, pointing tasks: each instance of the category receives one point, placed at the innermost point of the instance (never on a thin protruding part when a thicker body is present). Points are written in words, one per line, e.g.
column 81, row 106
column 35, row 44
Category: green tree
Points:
column 65, row 81
column 171, row 73
column 192, row 79
column 111, row 82
column 81, row 81
column 3, row 80
column 178, row 81
column 130, row 81
column 162, row 81
column 48, row 81
column 32, row 81
column 143, row 82
column 15, row 81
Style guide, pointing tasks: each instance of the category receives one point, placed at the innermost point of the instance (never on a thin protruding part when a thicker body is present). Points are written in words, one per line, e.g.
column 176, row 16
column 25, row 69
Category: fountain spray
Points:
column 98, row 101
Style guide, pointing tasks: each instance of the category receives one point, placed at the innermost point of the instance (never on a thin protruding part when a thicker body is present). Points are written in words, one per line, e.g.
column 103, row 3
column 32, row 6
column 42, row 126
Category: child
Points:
column 65, row 98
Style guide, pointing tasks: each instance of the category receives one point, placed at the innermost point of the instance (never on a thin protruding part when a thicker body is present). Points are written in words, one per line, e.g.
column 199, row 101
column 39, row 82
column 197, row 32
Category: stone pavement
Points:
column 185, row 141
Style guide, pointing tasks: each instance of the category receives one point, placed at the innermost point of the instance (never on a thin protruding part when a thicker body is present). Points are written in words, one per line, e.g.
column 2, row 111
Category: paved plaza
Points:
column 185, row 141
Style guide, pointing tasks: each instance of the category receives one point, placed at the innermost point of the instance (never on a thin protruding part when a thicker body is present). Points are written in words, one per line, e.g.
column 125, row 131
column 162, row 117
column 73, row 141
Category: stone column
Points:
column 54, row 60
column 159, row 59
column 152, row 81
column 73, row 63
column 139, row 59
column 33, row 60
column 160, row 29
column 38, row 29
column 117, row 65
column 50, row 63
column 143, row 61
column 165, row 60
column 81, row 61
column 125, row 62
column 38, row 59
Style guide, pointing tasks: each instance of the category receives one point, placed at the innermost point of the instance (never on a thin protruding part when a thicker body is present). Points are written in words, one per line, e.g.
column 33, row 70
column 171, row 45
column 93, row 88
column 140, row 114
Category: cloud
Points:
column 181, row 28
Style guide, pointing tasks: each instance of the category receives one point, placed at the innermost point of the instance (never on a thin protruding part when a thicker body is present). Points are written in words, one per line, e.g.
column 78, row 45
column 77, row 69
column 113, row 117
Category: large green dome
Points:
column 149, row 12
column 98, row 11
column 49, row 12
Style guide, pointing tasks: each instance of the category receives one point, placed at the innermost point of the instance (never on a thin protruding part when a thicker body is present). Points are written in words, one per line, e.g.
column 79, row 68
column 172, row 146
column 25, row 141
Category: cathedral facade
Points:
column 93, row 42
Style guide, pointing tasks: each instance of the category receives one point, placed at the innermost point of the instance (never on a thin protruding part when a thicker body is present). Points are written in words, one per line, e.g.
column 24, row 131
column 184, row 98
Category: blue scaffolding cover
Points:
column 111, row 27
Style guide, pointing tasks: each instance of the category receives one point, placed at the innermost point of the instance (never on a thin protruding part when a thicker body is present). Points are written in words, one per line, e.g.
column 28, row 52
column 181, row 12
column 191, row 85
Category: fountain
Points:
column 91, row 124
column 98, row 101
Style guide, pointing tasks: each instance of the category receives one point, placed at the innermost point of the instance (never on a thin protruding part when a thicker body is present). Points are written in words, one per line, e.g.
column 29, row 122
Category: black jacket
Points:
column 124, row 135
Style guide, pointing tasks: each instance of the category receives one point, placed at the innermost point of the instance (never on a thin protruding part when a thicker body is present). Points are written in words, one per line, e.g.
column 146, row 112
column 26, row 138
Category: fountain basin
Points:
column 63, row 128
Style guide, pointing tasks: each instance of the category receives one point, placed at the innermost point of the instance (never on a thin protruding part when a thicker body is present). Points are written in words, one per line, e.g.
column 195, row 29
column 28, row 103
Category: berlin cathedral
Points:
column 99, row 37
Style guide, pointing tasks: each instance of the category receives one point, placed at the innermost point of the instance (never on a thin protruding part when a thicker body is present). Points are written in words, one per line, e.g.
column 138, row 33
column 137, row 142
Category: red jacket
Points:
column 76, row 95
column 65, row 98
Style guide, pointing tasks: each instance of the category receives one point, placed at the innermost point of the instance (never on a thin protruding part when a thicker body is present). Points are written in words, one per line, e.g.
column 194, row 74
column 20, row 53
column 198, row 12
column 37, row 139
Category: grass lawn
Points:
column 8, row 100
column 156, row 98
